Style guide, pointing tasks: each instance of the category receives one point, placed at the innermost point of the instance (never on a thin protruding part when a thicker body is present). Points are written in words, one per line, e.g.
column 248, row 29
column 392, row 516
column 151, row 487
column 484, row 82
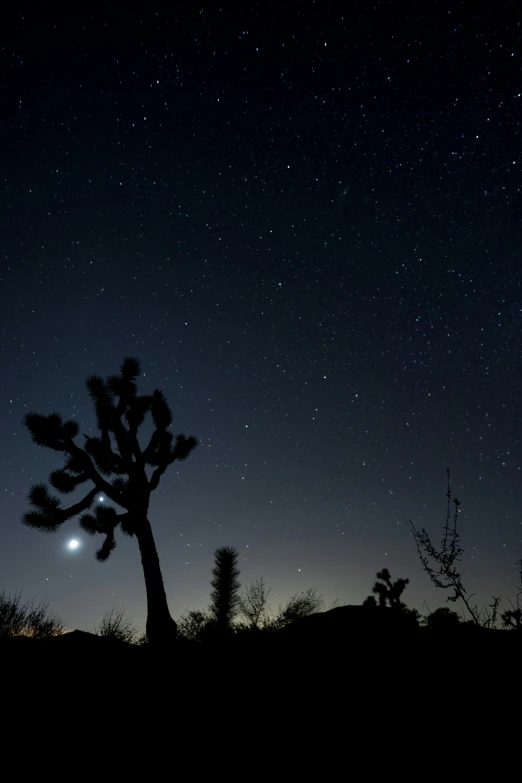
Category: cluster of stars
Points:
column 307, row 228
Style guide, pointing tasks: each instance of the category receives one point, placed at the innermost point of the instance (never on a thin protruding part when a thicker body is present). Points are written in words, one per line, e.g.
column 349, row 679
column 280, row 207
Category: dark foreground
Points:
column 295, row 705
column 266, row 664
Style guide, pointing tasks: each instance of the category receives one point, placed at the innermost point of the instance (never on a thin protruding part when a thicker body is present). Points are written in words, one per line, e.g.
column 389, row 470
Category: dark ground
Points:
column 286, row 704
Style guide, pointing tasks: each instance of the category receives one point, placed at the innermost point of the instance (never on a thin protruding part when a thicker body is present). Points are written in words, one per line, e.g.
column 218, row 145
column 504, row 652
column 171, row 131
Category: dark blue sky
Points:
column 305, row 222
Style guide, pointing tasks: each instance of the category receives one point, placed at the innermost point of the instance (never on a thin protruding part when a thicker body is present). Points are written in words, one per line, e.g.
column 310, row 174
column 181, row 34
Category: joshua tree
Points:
column 389, row 592
column 225, row 588
column 115, row 464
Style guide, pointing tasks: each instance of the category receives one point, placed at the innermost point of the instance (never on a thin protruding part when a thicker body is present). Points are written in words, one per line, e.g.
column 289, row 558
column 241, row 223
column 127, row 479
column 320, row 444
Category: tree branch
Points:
column 118, row 465
column 152, row 445
column 120, row 433
column 72, row 511
column 155, row 478
column 96, row 478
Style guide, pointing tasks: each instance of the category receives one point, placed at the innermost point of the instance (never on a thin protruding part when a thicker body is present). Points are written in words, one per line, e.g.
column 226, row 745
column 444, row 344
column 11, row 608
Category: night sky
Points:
column 305, row 222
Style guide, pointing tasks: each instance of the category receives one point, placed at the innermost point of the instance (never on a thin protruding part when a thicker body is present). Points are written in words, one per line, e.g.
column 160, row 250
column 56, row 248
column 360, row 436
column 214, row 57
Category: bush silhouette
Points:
column 300, row 605
column 192, row 624
column 253, row 605
column 116, row 624
column 442, row 620
column 29, row 619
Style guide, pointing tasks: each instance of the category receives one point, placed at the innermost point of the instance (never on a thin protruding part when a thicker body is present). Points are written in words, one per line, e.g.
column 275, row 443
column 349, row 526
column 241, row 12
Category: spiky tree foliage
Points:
column 225, row 588
column 114, row 464
column 389, row 592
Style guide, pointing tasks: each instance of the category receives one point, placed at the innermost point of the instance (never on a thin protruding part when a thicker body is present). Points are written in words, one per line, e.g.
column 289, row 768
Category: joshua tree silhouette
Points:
column 388, row 591
column 116, row 453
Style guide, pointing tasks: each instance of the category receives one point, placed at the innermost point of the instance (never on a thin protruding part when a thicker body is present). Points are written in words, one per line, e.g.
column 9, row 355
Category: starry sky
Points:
column 304, row 219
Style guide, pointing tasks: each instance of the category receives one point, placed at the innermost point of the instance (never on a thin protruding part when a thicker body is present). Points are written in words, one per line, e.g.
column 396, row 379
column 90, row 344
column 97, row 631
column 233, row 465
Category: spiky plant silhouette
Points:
column 390, row 592
column 225, row 588
column 116, row 465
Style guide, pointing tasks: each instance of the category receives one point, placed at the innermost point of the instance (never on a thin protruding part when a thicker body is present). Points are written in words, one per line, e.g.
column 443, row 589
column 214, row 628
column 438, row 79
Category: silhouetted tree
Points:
column 253, row 604
column 300, row 605
column 447, row 575
column 115, row 453
column 225, row 588
column 29, row 619
column 116, row 624
column 389, row 592
column 512, row 618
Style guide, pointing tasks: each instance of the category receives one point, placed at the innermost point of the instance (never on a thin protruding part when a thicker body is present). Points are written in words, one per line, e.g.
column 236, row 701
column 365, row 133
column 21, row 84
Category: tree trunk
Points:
column 161, row 628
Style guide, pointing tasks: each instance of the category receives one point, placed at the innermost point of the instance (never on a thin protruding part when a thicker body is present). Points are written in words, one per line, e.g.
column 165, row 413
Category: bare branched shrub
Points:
column 192, row 624
column 441, row 564
column 512, row 618
column 253, row 604
column 117, row 625
column 300, row 605
column 29, row 619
